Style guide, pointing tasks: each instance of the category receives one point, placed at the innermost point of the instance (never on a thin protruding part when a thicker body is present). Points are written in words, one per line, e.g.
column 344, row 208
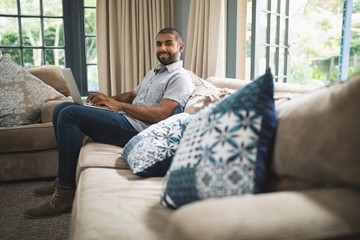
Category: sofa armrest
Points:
column 316, row 214
column 47, row 109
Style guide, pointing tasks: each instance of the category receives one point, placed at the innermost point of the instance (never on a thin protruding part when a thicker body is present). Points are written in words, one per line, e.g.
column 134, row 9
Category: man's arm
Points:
column 150, row 114
column 126, row 97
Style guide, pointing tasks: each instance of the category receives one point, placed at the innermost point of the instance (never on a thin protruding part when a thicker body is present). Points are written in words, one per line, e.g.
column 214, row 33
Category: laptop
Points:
column 75, row 93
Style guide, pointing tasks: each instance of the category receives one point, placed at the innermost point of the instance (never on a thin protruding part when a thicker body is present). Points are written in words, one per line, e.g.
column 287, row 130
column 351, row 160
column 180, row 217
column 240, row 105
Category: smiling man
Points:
column 163, row 92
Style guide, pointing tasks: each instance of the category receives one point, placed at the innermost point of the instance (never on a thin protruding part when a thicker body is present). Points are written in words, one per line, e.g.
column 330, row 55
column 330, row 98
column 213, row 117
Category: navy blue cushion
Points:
column 226, row 147
column 149, row 153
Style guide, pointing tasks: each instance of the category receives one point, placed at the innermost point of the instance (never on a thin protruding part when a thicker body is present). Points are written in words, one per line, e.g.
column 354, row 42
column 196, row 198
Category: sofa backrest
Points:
column 318, row 139
column 51, row 75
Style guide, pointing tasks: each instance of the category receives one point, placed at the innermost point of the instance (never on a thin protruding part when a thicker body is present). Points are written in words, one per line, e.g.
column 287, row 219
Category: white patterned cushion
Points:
column 150, row 152
column 225, row 148
column 21, row 94
column 204, row 94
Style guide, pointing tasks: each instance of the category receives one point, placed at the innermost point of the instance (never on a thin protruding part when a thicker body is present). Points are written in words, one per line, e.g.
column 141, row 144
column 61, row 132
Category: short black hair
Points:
column 172, row 31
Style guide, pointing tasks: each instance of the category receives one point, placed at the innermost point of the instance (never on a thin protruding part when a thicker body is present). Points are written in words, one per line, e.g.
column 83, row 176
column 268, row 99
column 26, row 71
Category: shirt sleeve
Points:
column 179, row 89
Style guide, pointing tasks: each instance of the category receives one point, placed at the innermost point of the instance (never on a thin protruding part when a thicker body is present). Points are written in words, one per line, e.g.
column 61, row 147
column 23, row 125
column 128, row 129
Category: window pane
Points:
column 262, row 28
column 9, row 31
column 30, row 7
column 264, row 5
column 55, row 56
column 272, row 58
column 91, row 53
column 283, row 7
column 90, row 3
column 14, row 53
column 54, row 32
column 8, row 7
column 262, row 59
column 92, row 74
column 282, row 37
column 282, row 65
column 31, row 30
column 274, row 6
column 273, row 33
column 33, row 57
column 315, row 32
column 52, row 7
column 90, row 21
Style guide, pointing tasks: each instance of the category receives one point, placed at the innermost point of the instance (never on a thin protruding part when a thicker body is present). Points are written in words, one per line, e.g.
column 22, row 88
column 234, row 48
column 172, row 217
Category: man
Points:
column 162, row 93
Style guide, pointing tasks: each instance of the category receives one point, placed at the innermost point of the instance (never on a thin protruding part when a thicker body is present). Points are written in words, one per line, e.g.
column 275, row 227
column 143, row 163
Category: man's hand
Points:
column 100, row 99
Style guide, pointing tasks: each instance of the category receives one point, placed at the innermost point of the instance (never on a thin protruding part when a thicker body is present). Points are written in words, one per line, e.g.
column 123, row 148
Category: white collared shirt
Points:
column 172, row 82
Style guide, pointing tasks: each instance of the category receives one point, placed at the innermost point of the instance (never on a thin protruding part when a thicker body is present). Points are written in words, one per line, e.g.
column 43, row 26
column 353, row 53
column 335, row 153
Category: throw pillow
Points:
column 21, row 94
column 204, row 94
column 318, row 136
column 225, row 148
column 51, row 75
column 150, row 153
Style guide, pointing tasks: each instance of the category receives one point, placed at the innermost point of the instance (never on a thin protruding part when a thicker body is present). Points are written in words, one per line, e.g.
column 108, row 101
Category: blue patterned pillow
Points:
column 150, row 153
column 225, row 148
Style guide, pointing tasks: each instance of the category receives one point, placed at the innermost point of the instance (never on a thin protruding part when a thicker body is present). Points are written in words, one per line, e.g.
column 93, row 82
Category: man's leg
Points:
column 100, row 125
column 70, row 122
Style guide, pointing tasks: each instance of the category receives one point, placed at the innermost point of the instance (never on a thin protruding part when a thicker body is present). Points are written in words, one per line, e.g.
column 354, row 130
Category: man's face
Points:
column 168, row 49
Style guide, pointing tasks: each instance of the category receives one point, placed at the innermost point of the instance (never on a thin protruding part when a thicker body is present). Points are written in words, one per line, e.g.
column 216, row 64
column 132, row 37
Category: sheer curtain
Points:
column 126, row 32
column 206, row 38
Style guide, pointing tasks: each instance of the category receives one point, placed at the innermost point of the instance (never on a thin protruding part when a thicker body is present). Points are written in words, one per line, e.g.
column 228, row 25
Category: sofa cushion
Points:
column 225, row 148
column 320, row 214
column 99, row 155
column 116, row 204
column 318, row 136
column 51, row 75
column 32, row 137
column 47, row 109
column 204, row 94
column 150, row 152
column 21, row 94
column 26, row 165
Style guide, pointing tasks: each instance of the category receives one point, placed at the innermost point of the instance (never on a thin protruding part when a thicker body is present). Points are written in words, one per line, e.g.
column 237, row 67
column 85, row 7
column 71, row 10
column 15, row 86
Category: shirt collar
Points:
column 170, row 67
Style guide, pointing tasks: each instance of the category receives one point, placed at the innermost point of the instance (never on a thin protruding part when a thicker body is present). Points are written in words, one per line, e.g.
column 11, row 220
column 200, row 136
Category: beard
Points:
column 167, row 58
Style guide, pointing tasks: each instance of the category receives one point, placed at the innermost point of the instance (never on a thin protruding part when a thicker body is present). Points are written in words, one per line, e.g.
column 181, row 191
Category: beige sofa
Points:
column 29, row 151
column 313, row 191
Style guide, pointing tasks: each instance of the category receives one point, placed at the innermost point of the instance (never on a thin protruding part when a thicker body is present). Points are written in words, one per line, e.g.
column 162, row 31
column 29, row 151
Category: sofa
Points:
column 28, row 151
column 311, row 192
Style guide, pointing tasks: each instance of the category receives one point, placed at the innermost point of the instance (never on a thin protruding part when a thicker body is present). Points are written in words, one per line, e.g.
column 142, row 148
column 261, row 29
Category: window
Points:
column 301, row 40
column 270, row 38
column 32, row 31
column 90, row 44
column 60, row 32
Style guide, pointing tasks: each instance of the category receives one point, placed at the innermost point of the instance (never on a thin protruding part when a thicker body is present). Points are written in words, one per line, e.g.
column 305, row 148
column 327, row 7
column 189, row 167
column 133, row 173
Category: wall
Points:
column 181, row 15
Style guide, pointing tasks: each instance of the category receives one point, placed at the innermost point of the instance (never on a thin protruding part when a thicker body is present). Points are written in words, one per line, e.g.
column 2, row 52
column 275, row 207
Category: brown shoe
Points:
column 46, row 190
column 60, row 202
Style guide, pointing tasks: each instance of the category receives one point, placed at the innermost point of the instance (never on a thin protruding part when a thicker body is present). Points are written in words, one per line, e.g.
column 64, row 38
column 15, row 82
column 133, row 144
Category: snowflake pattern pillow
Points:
column 225, row 148
column 149, row 154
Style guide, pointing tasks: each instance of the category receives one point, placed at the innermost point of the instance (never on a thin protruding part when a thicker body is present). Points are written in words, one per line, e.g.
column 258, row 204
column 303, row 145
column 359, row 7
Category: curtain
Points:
column 126, row 40
column 206, row 38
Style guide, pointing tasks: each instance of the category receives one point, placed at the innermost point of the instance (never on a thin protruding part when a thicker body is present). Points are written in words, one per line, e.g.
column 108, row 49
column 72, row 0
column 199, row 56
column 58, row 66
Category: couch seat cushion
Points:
column 27, row 138
column 320, row 214
column 100, row 155
column 116, row 204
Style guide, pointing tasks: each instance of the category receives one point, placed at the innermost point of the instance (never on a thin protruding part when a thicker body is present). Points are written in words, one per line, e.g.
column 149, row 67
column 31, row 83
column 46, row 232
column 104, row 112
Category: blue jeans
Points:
column 72, row 121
